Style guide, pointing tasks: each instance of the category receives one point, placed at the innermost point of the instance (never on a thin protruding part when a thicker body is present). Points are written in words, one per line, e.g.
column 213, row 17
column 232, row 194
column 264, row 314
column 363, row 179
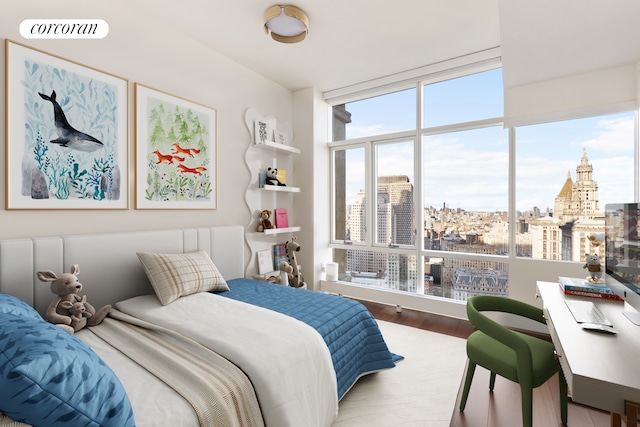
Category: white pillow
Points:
column 176, row 275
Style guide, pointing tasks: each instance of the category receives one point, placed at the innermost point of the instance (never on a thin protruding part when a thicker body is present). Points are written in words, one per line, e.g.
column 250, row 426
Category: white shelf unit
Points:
column 270, row 145
column 258, row 157
column 274, row 231
column 286, row 189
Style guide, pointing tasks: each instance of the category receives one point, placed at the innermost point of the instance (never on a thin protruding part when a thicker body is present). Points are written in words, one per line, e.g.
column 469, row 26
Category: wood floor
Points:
column 501, row 408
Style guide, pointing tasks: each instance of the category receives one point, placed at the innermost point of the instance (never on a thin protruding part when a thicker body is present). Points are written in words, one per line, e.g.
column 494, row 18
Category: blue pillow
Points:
column 48, row 377
column 13, row 305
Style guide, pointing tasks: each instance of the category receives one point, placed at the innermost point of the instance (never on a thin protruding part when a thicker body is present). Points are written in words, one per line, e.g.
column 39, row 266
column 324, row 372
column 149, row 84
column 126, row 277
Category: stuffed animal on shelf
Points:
column 272, row 177
column 296, row 280
column 265, row 221
column 286, row 271
column 69, row 310
column 592, row 264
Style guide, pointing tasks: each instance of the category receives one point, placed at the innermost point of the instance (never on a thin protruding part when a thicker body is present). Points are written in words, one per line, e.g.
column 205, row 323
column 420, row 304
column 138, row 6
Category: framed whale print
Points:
column 66, row 124
column 176, row 152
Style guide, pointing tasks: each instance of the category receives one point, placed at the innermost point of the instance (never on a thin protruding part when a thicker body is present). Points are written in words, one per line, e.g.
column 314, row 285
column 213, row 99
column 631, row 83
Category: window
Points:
column 447, row 205
column 394, row 193
column 384, row 114
column 566, row 172
column 466, row 189
column 349, row 194
column 464, row 99
column 460, row 279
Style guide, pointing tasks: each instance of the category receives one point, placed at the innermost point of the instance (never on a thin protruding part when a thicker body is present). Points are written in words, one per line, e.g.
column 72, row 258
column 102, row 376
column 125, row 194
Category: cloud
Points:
column 612, row 136
column 469, row 169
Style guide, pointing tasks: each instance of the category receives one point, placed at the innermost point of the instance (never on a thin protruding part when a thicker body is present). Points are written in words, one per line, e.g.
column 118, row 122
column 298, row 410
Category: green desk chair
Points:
column 518, row 357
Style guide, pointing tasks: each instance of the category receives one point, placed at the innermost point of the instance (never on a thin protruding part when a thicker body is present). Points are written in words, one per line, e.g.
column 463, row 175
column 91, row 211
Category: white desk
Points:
column 602, row 371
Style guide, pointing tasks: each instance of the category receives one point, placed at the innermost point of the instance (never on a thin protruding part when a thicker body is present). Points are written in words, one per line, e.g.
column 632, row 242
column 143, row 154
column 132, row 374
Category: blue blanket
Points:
column 349, row 330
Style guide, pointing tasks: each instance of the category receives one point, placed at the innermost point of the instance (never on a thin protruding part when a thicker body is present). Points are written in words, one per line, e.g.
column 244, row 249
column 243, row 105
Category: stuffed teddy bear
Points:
column 592, row 264
column 69, row 310
column 265, row 222
column 272, row 177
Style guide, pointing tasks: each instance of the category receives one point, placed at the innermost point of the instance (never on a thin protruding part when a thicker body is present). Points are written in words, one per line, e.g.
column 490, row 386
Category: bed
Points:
column 234, row 352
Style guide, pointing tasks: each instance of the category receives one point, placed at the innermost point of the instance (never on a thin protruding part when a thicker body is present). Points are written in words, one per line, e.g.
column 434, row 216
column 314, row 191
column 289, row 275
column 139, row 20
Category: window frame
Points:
column 333, row 148
column 514, row 262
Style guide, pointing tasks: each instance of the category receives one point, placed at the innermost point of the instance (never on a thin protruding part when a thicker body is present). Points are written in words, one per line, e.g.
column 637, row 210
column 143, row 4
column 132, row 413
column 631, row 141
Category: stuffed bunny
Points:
column 69, row 310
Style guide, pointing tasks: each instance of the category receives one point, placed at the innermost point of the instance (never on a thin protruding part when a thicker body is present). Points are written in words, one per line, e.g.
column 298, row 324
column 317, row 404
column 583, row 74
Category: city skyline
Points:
column 545, row 155
column 467, row 169
column 563, row 237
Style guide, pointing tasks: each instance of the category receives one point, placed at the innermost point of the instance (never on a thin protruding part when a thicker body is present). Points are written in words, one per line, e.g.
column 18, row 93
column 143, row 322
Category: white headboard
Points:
column 109, row 267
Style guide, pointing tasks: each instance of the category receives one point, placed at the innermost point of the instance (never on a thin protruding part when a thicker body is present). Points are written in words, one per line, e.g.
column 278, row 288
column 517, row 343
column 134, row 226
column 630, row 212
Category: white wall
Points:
column 311, row 127
column 141, row 50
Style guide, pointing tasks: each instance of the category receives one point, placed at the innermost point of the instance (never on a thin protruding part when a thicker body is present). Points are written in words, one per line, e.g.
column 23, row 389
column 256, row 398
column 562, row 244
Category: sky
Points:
column 469, row 169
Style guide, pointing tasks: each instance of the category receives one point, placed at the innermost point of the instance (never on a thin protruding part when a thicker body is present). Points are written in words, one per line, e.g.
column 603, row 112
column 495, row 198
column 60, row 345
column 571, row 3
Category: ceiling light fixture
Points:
column 287, row 24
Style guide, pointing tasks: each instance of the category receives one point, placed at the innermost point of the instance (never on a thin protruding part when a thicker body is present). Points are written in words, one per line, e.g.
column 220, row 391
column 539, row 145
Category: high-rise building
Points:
column 395, row 210
column 579, row 199
column 394, row 225
column 356, row 220
column 576, row 215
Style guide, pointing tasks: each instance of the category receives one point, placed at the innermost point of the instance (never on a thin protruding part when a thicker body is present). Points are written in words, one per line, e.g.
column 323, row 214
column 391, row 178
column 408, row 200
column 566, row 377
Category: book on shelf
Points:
column 279, row 255
column 281, row 176
column 592, row 294
column 576, row 284
column 282, row 217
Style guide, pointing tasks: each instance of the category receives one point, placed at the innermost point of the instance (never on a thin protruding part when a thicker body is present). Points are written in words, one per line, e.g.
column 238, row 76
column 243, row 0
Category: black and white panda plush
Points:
column 272, row 177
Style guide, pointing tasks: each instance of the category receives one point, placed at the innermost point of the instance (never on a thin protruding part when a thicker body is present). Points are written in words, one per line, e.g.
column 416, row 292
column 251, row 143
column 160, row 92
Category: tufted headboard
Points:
column 109, row 267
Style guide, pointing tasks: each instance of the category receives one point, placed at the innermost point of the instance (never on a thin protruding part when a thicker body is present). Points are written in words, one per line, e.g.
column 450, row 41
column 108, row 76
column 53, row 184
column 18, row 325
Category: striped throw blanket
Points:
column 5, row 421
column 220, row 393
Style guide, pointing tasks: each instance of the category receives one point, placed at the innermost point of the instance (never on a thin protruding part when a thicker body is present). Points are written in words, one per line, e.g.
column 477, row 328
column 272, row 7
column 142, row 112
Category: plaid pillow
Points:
column 175, row 275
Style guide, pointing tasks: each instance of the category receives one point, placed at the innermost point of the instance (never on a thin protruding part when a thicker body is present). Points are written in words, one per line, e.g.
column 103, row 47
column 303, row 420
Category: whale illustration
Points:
column 67, row 135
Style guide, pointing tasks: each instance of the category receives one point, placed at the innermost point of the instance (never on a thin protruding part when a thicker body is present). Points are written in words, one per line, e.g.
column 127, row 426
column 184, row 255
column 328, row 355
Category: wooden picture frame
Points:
column 176, row 152
column 66, row 133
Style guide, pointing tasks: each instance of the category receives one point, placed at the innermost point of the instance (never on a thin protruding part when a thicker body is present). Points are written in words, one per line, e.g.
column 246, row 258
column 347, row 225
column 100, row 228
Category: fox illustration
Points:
column 195, row 171
column 188, row 151
column 167, row 158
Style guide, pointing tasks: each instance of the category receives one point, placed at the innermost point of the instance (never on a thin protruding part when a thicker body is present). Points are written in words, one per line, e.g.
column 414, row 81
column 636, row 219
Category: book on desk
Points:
column 584, row 288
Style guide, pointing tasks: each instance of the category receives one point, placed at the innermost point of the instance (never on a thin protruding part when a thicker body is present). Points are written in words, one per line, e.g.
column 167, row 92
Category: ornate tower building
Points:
column 579, row 199
column 585, row 189
column 562, row 206
column 576, row 215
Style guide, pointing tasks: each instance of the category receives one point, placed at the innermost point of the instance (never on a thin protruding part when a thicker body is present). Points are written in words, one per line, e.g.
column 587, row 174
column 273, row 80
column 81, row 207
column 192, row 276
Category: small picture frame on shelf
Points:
column 281, row 137
column 265, row 261
column 264, row 130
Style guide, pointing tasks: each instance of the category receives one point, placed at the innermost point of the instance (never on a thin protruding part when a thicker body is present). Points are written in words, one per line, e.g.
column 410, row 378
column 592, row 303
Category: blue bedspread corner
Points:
column 351, row 333
column 396, row 357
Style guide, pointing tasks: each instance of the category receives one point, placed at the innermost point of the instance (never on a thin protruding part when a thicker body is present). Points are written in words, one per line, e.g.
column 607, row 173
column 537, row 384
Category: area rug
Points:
column 420, row 391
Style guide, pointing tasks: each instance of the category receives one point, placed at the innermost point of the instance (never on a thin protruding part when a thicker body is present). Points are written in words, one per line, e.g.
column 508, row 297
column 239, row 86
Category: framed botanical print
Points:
column 66, row 133
column 176, row 152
